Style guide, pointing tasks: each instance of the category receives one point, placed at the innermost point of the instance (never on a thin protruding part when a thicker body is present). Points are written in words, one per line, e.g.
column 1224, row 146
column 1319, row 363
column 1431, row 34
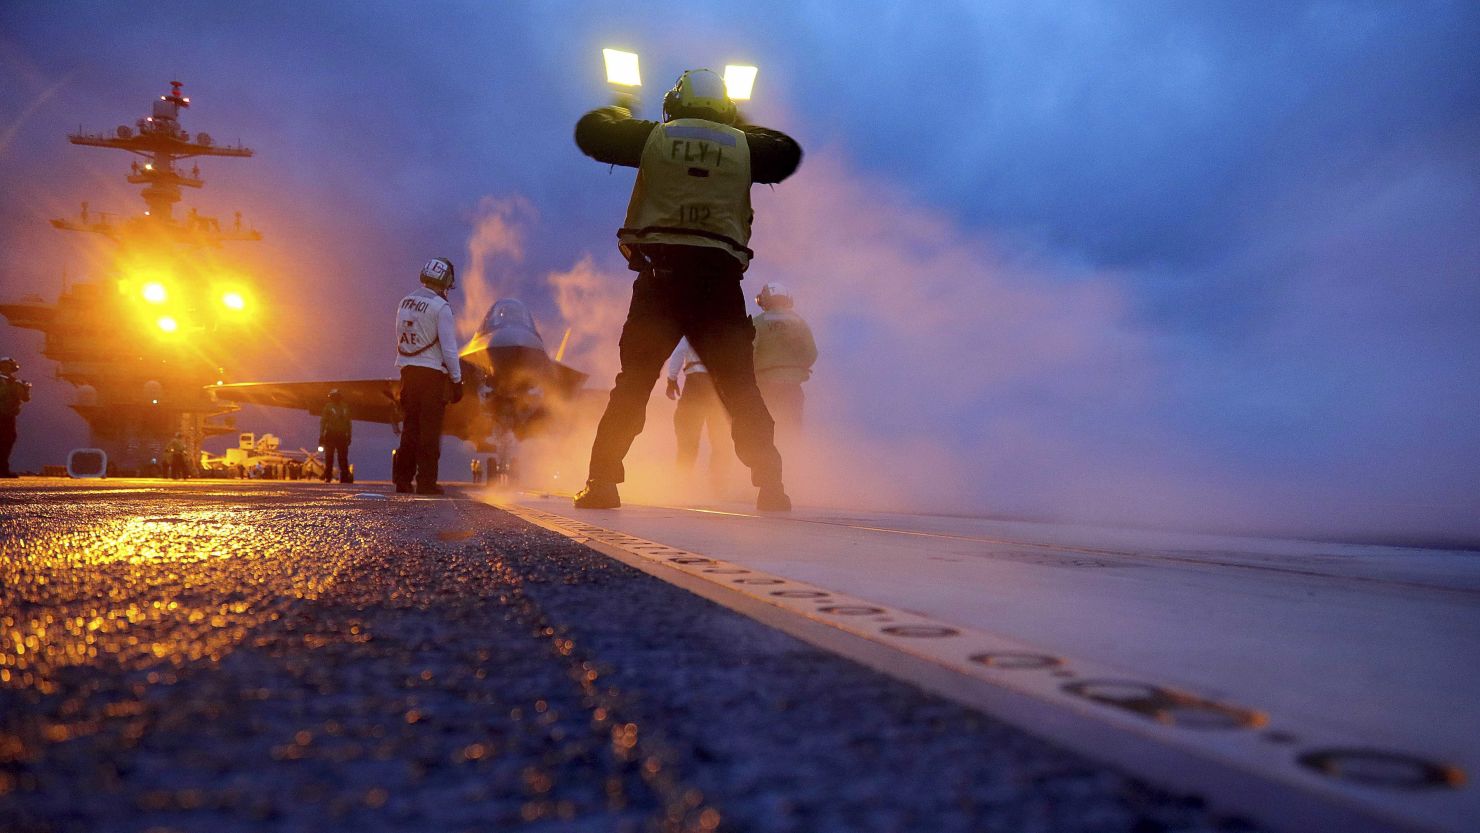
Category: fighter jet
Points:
column 518, row 387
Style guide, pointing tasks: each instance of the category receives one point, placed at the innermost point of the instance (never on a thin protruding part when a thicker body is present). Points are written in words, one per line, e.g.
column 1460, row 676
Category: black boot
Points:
column 772, row 499
column 428, row 489
column 598, row 495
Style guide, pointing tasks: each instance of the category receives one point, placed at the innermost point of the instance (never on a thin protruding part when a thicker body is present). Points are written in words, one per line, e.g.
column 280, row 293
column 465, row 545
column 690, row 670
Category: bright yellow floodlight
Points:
column 739, row 80
column 234, row 300
column 621, row 68
column 154, row 292
column 167, row 324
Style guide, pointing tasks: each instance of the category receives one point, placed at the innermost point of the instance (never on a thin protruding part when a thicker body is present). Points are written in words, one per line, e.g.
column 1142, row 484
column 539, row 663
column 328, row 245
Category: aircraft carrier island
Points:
column 141, row 342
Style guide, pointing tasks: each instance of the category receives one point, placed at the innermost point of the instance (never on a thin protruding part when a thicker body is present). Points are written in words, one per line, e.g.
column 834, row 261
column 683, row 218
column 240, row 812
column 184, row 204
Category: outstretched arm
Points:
column 611, row 135
column 774, row 156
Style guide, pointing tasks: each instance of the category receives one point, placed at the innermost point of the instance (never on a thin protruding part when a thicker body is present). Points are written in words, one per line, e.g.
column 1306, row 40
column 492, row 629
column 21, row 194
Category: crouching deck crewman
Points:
column 687, row 236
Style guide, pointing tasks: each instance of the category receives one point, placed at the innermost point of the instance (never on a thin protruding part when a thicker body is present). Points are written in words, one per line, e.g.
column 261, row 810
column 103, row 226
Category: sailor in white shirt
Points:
column 698, row 406
column 431, row 376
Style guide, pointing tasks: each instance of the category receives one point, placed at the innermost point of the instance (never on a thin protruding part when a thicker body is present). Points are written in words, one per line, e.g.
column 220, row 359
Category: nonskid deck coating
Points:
column 952, row 578
column 253, row 656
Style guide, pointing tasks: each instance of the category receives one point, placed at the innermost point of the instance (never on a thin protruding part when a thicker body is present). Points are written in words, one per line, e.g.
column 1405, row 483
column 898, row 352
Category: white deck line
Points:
column 1241, row 758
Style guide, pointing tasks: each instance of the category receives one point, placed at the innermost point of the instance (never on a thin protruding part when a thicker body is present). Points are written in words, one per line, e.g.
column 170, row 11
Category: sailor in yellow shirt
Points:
column 687, row 236
column 13, row 394
column 336, row 429
column 784, row 354
column 176, row 467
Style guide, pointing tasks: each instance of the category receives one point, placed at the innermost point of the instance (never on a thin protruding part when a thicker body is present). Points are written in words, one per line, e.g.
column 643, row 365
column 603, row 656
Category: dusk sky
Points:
column 1200, row 264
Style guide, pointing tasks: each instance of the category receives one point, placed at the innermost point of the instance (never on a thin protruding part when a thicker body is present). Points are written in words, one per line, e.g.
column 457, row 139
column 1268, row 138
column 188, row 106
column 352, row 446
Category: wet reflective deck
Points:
column 248, row 656
column 1307, row 678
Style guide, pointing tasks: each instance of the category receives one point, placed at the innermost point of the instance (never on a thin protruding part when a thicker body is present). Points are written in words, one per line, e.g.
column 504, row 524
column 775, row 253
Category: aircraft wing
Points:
column 369, row 400
column 567, row 379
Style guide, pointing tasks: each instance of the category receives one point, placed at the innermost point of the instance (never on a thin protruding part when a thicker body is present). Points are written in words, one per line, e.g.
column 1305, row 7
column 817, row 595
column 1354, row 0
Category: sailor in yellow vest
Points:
column 698, row 407
column 431, row 376
column 784, row 354
column 13, row 394
column 687, row 236
column 336, row 429
column 174, row 458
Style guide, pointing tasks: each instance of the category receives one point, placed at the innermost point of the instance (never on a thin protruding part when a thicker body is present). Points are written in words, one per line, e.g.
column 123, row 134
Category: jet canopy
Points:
column 508, row 324
column 508, row 312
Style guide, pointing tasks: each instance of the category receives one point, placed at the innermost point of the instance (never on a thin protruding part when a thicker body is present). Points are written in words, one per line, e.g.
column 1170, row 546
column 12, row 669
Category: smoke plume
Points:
column 496, row 244
column 960, row 372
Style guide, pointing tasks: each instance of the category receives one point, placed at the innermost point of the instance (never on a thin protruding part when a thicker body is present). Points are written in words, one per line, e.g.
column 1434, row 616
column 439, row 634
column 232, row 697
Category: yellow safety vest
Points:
column 335, row 419
column 692, row 189
column 784, row 348
column 12, row 393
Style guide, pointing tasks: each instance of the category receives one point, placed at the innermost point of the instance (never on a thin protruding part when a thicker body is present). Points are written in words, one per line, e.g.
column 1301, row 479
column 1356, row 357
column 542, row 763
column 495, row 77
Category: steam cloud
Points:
column 960, row 373
column 498, row 237
column 941, row 355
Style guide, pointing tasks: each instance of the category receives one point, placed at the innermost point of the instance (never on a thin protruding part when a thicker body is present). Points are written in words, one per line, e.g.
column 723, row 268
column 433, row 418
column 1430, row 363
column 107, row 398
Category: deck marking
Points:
column 1121, row 556
column 1341, row 774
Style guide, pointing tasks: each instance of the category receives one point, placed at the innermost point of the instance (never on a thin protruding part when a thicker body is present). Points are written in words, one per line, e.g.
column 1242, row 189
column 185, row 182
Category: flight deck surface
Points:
column 242, row 656
column 1335, row 672
column 230, row 655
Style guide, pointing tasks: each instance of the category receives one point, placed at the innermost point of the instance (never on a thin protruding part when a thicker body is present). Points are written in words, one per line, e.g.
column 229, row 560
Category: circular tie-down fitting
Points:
column 851, row 610
column 1376, row 768
column 757, row 581
column 690, row 559
column 920, row 631
column 1016, row 660
column 726, row 571
column 799, row 594
column 1164, row 705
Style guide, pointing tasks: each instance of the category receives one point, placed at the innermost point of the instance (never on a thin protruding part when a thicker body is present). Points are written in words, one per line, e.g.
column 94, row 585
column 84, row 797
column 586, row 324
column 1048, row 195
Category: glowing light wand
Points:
column 622, row 72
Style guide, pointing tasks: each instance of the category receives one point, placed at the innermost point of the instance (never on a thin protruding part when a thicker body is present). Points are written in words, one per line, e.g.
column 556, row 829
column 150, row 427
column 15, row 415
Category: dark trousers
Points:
column 697, row 407
column 175, row 465
column 423, row 403
column 7, row 442
column 688, row 291
column 337, row 444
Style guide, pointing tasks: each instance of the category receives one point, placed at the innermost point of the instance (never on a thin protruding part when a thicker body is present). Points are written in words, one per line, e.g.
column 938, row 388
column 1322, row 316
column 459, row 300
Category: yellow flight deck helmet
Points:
column 699, row 94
